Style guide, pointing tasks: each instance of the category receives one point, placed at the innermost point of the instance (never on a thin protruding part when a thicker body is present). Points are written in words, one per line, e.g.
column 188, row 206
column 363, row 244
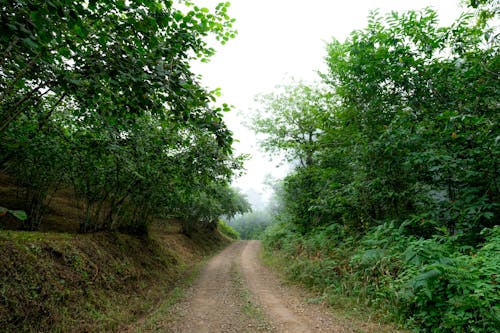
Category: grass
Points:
column 249, row 307
column 162, row 314
column 58, row 282
column 61, row 281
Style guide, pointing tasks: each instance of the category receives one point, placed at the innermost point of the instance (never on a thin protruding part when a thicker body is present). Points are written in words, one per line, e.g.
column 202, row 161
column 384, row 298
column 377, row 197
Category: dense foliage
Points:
column 395, row 196
column 227, row 230
column 99, row 97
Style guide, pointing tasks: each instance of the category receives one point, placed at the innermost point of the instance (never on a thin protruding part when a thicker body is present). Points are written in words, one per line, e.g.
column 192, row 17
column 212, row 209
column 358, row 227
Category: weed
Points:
column 249, row 308
column 227, row 230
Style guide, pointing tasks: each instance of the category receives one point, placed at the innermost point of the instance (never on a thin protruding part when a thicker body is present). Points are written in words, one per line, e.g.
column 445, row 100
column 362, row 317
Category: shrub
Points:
column 447, row 291
column 430, row 284
column 227, row 230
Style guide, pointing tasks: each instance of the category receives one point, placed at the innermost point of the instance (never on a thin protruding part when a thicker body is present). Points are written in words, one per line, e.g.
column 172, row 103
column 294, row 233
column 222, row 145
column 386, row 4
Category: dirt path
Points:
column 236, row 293
column 287, row 307
column 218, row 301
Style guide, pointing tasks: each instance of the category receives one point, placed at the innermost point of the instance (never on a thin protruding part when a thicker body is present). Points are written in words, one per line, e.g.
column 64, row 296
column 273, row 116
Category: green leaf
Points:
column 178, row 16
column 80, row 31
column 20, row 214
column 45, row 37
column 65, row 52
column 12, row 26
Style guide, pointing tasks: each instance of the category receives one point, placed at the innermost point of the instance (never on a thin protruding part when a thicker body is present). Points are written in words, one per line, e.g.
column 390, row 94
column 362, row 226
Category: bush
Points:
column 251, row 225
column 445, row 291
column 227, row 230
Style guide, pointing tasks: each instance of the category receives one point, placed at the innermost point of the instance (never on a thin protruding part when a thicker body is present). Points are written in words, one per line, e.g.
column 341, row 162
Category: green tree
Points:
column 421, row 98
column 112, row 58
column 100, row 97
column 291, row 120
column 401, row 203
column 251, row 225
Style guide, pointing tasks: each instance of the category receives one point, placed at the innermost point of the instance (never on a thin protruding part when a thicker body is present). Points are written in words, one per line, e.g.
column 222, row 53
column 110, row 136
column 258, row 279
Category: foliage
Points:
column 227, row 230
column 411, row 132
column 443, row 290
column 292, row 119
column 427, row 284
column 251, row 225
column 398, row 205
column 59, row 282
column 100, row 98
column 485, row 9
column 424, row 138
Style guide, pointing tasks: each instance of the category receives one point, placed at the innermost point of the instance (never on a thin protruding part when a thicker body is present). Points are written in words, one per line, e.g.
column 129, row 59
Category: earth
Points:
column 236, row 292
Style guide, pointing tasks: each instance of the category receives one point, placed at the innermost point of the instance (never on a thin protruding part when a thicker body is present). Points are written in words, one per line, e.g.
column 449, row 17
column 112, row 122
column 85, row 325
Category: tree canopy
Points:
column 409, row 126
column 99, row 96
column 291, row 119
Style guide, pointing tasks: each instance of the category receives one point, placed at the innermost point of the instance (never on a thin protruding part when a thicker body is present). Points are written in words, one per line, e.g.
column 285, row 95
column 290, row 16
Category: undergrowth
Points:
column 162, row 313
column 227, row 230
column 430, row 285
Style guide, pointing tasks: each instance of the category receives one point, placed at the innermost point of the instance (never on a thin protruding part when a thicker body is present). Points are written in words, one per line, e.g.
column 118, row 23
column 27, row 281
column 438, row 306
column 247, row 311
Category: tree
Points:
column 421, row 99
column 485, row 9
column 110, row 58
column 251, row 225
column 407, row 131
column 402, row 200
column 100, row 96
column 291, row 120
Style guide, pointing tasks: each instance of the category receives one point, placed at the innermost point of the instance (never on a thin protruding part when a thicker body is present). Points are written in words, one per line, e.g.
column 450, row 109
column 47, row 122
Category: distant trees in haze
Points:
column 251, row 225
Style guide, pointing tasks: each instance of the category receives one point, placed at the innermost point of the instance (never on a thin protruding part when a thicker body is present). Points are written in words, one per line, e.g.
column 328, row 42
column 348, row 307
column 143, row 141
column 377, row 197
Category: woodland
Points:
column 393, row 201
column 98, row 97
column 394, row 196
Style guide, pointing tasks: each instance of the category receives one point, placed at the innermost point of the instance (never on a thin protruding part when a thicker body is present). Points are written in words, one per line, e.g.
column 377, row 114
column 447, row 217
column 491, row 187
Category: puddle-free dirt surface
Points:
column 235, row 292
column 218, row 301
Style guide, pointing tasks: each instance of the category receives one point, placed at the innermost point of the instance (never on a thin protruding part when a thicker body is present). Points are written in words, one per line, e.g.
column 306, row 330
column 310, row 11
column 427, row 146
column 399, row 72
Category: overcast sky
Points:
column 279, row 39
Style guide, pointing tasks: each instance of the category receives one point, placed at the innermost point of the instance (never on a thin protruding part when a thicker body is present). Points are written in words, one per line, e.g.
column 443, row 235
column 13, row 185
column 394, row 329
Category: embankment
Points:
column 61, row 282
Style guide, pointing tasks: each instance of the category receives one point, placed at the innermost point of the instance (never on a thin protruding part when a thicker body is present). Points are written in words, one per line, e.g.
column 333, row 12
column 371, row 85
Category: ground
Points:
column 235, row 292
column 109, row 282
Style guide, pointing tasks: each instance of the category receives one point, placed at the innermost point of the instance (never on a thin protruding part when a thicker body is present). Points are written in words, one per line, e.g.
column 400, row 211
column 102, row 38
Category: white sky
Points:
column 279, row 39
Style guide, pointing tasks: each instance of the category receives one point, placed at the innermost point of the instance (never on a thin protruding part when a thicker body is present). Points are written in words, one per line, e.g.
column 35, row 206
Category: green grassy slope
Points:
column 62, row 282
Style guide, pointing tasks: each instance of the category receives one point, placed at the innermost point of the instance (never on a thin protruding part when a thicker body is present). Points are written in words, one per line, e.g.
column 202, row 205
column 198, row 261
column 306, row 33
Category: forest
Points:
column 393, row 201
column 104, row 130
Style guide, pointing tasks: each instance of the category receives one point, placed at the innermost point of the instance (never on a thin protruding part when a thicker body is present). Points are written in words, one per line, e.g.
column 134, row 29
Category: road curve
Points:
column 236, row 293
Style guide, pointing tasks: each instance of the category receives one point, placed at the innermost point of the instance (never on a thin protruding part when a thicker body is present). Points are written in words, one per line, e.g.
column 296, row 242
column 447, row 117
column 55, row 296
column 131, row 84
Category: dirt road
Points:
column 236, row 293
